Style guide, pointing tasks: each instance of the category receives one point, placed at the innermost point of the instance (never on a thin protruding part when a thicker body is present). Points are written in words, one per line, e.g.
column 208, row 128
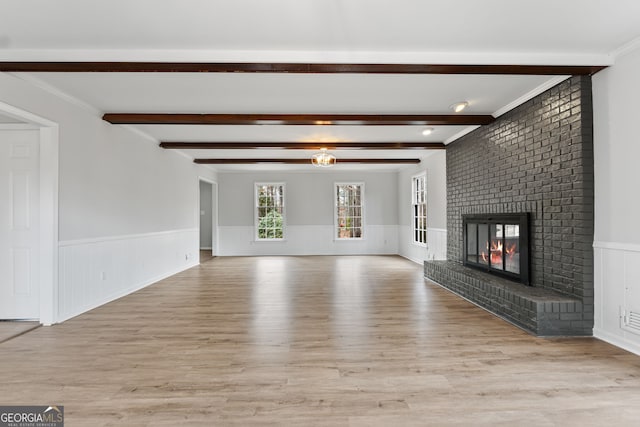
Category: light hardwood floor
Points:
column 205, row 255
column 358, row 341
column 11, row 329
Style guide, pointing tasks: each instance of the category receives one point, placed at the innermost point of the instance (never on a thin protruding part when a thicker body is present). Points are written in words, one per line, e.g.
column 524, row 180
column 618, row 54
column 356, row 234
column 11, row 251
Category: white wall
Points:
column 435, row 167
column 114, row 185
column 617, row 229
column 308, row 214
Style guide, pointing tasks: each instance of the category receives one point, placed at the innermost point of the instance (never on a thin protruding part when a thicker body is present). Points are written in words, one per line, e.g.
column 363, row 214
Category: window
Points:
column 269, row 211
column 349, row 219
column 419, row 211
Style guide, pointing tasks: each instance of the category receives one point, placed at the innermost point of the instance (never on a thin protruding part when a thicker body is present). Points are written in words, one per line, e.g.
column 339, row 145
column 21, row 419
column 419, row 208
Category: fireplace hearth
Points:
column 498, row 244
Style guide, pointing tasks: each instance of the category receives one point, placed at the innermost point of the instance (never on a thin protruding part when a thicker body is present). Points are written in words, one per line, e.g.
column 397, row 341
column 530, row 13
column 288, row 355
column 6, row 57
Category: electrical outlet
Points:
column 103, row 275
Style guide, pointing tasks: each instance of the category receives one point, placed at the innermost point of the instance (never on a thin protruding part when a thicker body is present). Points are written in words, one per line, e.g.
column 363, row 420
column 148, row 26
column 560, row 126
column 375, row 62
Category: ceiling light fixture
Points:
column 427, row 131
column 323, row 159
column 459, row 106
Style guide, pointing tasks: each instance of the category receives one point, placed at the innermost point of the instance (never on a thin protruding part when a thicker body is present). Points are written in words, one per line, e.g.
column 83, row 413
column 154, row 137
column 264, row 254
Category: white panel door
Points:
column 19, row 224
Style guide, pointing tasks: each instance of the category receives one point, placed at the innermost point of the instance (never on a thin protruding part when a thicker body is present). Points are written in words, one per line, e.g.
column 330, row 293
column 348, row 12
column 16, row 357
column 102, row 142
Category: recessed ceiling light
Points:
column 427, row 131
column 459, row 106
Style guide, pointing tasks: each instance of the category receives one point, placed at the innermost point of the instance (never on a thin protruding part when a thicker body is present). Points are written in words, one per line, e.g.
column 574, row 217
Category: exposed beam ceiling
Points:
column 296, row 119
column 300, row 161
column 323, row 61
column 304, row 145
column 334, row 68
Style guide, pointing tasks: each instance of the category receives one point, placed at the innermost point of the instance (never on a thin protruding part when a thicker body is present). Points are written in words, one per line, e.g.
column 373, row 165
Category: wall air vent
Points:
column 630, row 320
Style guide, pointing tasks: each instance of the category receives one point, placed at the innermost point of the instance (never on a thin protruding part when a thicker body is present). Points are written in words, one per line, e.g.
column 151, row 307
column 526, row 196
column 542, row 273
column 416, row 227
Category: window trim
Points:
column 335, row 212
column 255, row 211
column 422, row 174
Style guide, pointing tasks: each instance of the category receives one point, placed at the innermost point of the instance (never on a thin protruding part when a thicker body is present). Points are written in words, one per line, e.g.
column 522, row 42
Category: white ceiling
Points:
column 544, row 32
column 494, row 26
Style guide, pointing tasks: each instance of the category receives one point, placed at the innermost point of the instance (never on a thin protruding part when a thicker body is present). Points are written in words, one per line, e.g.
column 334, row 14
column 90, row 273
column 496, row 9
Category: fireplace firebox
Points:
column 498, row 244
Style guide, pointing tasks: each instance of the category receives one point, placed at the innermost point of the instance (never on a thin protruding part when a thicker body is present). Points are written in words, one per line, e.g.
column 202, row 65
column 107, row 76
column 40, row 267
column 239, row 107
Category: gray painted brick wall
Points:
column 536, row 158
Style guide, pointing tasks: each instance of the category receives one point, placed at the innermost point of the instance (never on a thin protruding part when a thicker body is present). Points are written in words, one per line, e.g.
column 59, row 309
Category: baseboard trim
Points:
column 417, row 261
column 616, row 341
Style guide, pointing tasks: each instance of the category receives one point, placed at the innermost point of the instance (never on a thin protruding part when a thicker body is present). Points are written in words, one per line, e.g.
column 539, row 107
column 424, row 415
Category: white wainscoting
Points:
column 436, row 248
column 437, row 244
column 617, row 290
column 308, row 240
column 93, row 272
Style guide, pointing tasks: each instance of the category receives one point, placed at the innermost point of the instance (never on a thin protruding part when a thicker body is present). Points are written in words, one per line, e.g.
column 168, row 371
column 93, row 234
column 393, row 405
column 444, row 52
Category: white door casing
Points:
column 19, row 224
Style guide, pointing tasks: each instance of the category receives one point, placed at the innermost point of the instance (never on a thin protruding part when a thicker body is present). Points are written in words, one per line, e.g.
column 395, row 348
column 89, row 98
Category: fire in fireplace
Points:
column 498, row 243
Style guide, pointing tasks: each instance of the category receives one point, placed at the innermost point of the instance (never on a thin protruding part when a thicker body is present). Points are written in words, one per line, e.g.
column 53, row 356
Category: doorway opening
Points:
column 208, row 215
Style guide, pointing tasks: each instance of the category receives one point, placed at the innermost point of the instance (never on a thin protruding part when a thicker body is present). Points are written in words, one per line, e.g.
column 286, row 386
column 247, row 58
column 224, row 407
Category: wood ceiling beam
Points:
column 304, row 145
column 305, row 68
column 297, row 119
column 299, row 161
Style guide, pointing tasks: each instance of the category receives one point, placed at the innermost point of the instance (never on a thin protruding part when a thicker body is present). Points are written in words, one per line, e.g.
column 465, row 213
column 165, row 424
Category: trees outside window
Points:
column 349, row 210
column 269, row 211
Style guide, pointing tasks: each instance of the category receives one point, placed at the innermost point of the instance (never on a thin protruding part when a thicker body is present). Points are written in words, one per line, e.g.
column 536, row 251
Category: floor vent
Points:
column 631, row 320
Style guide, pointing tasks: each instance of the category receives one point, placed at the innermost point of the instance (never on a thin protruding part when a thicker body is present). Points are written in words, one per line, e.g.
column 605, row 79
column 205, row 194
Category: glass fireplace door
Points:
column 498, row 243
column 496, row 247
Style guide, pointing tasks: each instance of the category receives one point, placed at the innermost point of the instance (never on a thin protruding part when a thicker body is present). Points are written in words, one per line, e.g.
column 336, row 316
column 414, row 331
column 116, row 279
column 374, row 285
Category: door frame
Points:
column 214, row 212
column 48, row 239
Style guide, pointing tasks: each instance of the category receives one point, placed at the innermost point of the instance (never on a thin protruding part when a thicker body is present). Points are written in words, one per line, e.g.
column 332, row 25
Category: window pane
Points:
column 419, row 209
column 270, row 202
column 349, row 210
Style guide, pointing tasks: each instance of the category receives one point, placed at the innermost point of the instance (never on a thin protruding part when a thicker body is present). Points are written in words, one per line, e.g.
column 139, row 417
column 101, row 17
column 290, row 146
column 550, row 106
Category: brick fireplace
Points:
column 538, row 160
